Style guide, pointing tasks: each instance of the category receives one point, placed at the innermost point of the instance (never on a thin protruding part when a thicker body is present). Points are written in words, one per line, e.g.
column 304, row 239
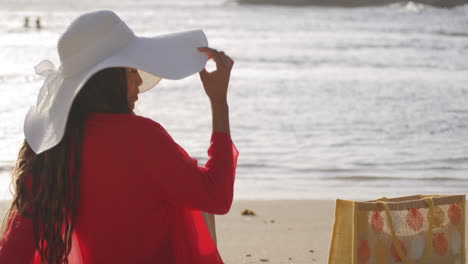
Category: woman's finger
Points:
column 214, row 54
column 223, row 57
column 230, row 61
column 204, row 73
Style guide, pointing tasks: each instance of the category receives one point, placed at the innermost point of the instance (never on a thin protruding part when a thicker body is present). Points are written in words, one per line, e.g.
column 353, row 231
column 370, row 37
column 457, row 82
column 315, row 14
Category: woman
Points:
column 104, row 185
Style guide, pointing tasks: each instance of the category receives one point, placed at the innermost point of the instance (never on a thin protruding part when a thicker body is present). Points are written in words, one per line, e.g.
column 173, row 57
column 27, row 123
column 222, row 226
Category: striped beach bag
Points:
column 420, row 229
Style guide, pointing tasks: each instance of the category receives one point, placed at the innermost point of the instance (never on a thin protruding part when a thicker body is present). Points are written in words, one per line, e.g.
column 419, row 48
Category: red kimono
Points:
column 140, row 198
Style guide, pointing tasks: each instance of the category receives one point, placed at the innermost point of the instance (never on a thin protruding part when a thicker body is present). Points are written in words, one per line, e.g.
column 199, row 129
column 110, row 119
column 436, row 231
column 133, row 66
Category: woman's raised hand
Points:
column 216, row 83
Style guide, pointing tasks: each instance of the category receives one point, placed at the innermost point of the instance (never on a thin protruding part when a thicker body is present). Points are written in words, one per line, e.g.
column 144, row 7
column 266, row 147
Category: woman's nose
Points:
column 139, row 80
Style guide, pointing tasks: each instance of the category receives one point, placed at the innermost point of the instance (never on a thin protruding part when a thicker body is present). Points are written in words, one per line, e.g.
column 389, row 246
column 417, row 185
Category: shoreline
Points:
column 353, row 3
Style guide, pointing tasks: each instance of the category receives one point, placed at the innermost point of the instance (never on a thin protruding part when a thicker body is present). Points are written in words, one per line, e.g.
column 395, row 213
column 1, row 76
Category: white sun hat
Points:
column 99, row 40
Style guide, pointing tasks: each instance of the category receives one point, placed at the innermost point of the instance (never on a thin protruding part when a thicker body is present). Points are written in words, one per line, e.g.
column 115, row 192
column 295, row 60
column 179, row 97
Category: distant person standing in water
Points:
column 38, row 23
column 94, row 182
column 26, row 22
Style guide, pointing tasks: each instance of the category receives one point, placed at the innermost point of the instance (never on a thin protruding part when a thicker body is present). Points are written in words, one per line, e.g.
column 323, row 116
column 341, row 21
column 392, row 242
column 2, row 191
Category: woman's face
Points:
column 133, row 81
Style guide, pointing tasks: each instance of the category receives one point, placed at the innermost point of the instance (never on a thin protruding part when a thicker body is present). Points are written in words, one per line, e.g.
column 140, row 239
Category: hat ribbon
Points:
column 49, row 89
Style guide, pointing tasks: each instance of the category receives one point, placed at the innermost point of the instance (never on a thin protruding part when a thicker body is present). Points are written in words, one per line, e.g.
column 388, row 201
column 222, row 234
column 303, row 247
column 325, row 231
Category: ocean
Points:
column 325, row 102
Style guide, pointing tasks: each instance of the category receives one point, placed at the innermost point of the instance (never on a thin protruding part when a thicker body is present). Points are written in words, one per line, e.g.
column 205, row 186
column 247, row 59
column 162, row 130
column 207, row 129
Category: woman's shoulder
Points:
column 126, row 122
column 151, row 132
column 146, row 123
column 125, row 119
column 149, row 127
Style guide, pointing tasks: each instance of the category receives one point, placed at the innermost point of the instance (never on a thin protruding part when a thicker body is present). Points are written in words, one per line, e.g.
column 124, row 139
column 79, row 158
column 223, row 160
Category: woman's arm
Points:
column 176, row 177
column 216, row 86
column 179, row 179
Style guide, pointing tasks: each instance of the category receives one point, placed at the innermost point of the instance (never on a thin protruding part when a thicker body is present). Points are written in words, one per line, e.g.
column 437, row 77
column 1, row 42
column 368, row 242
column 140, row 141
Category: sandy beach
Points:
column 282, row 231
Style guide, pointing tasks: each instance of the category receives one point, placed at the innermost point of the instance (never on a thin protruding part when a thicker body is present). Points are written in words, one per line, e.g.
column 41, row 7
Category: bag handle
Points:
column 395, row 241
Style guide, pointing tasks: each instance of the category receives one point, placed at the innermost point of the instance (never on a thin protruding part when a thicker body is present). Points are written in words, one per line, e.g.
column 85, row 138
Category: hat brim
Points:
column 172, row 56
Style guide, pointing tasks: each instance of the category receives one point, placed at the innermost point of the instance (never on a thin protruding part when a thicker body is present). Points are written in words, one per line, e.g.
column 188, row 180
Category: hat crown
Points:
column 90, row 38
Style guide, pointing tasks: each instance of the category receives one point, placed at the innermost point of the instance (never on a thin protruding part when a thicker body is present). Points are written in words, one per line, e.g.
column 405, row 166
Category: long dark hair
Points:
column 52, row 205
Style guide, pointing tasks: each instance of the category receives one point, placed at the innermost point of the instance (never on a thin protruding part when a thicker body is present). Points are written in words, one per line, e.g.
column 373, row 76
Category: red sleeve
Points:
column 177, row 177
column 17, row 244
